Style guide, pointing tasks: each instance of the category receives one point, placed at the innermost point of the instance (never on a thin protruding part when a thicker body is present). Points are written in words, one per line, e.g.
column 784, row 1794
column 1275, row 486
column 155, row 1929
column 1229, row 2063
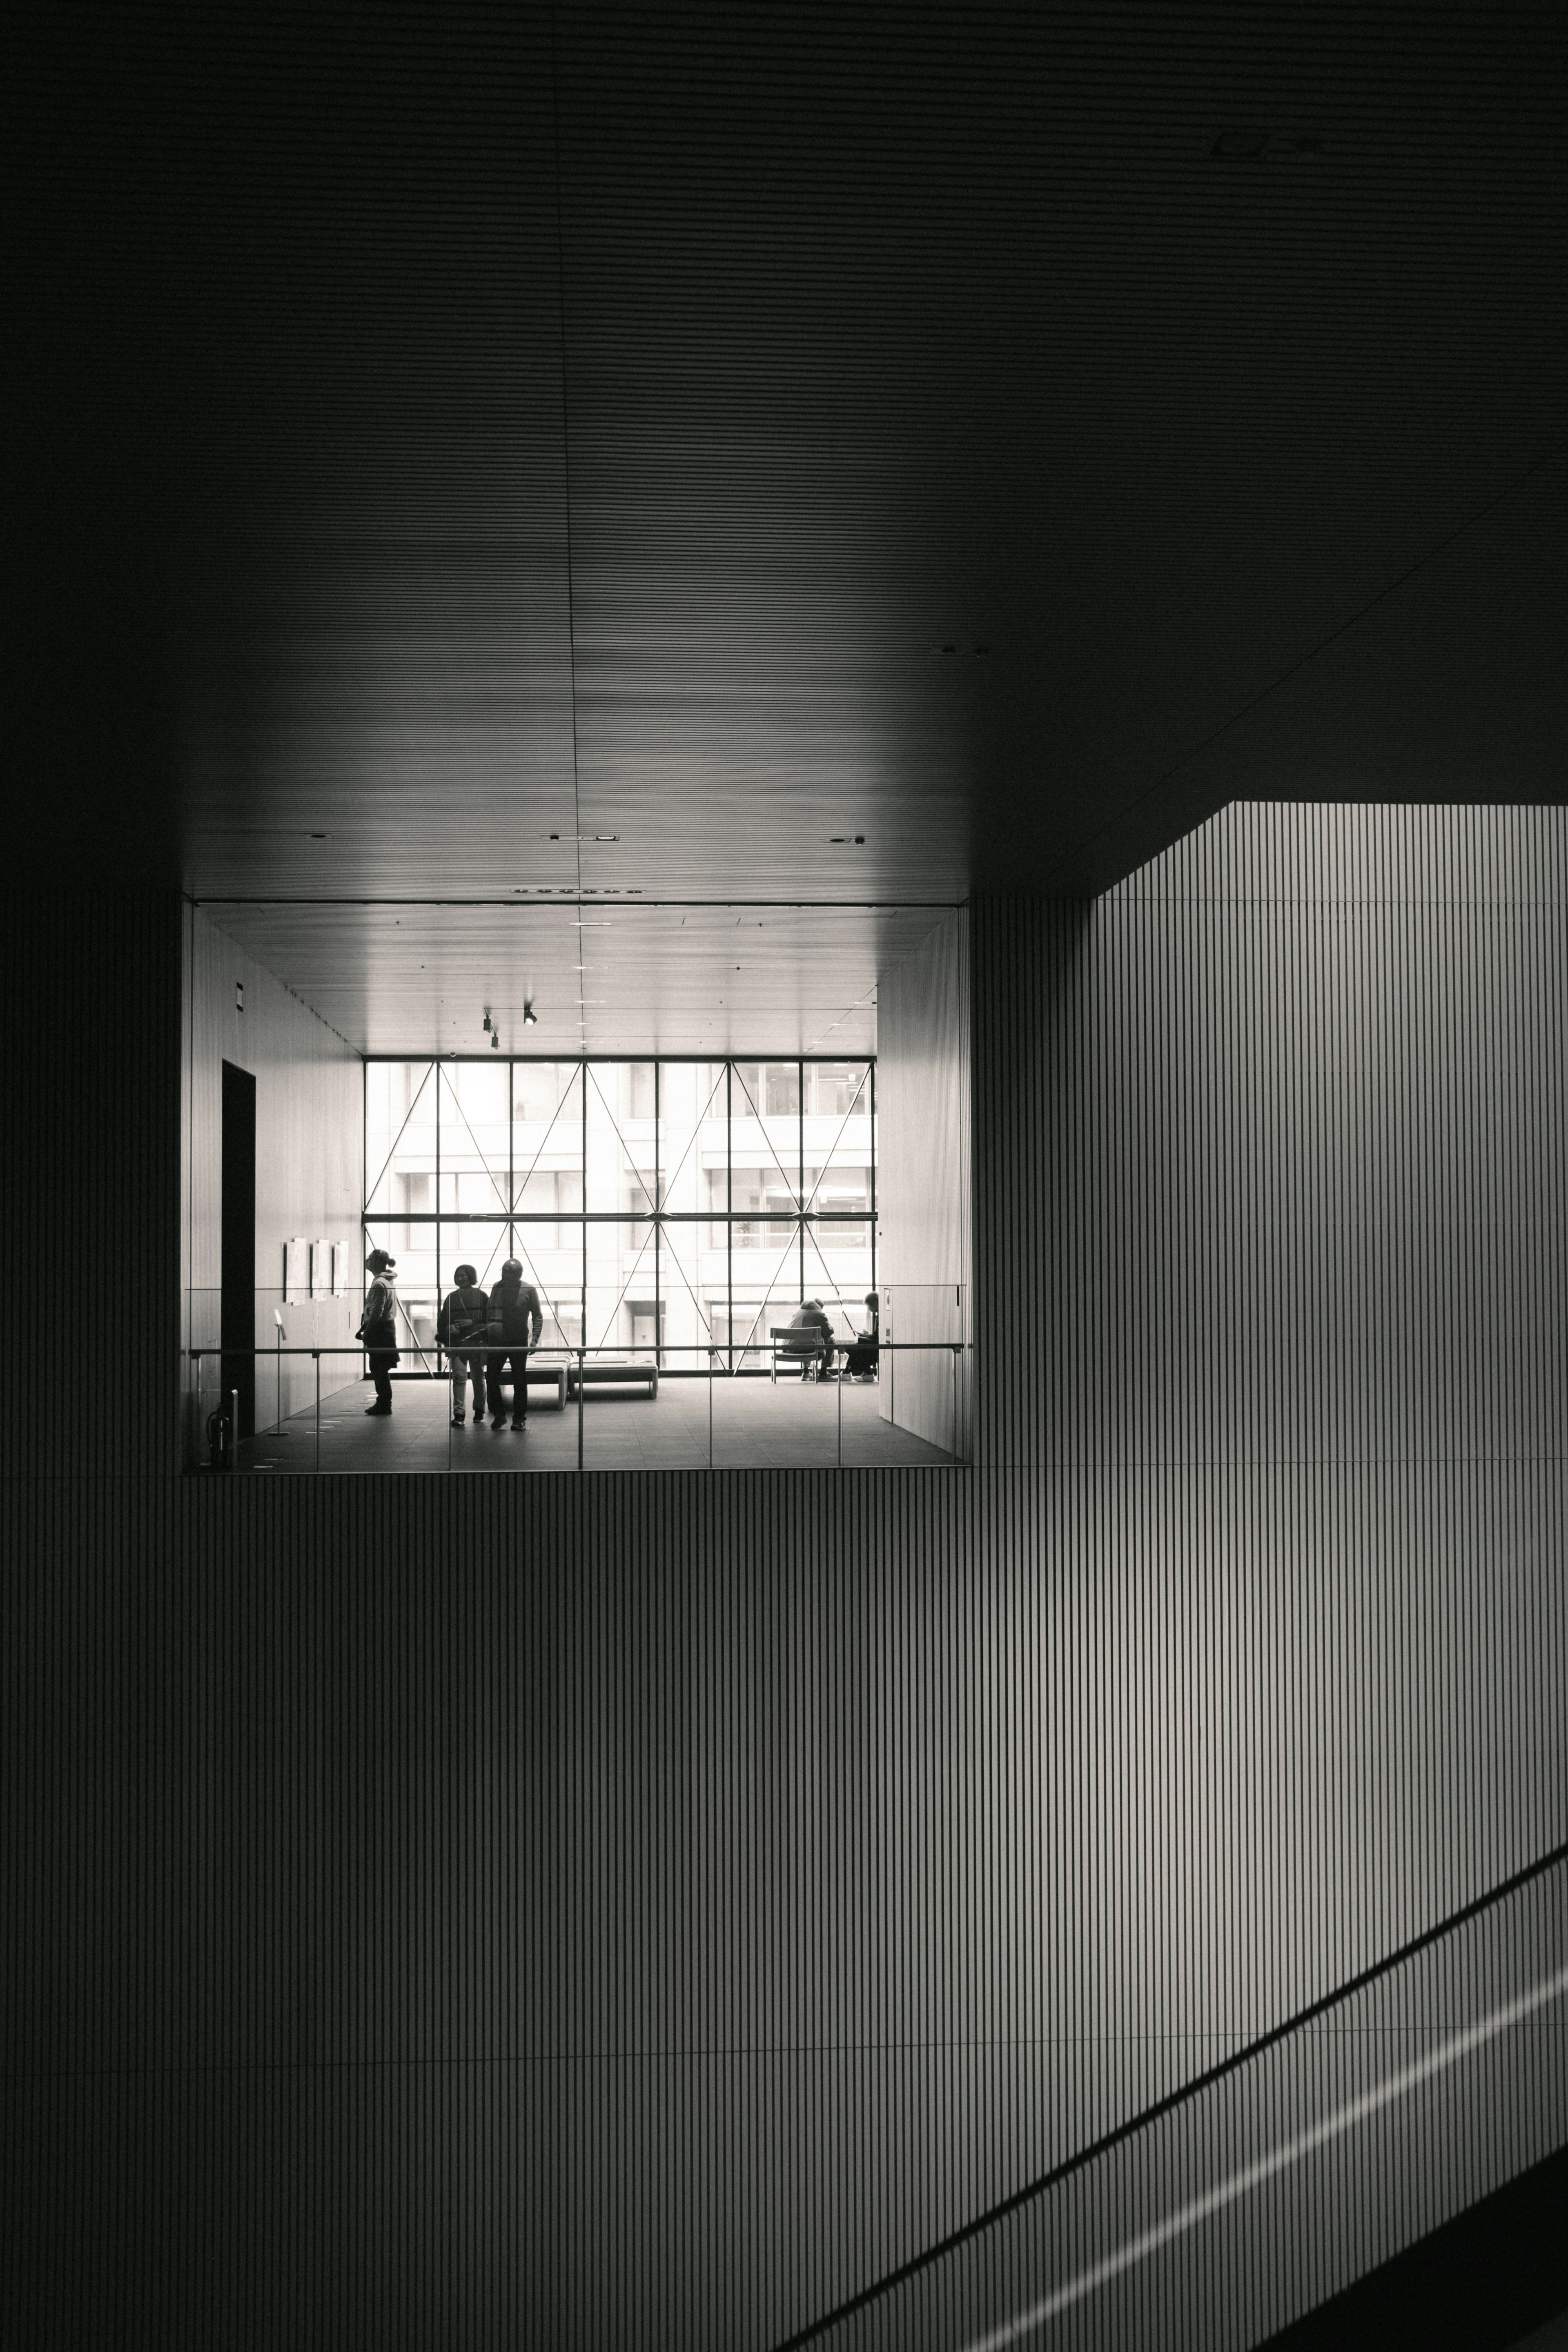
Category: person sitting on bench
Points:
column 518, row 1324
column 814, row 1346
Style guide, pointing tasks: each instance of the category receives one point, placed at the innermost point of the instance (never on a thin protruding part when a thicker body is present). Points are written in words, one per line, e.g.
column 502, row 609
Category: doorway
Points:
column 236, row 1310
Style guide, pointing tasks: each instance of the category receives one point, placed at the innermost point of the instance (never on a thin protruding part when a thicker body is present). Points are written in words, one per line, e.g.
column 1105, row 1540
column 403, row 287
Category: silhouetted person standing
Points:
column 514, row 1305
column 378, row 1326
column 465, row 1314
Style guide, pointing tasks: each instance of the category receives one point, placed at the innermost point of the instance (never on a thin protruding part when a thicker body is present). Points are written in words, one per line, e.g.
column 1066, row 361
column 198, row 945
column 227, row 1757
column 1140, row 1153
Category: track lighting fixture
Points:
column 530, row 1017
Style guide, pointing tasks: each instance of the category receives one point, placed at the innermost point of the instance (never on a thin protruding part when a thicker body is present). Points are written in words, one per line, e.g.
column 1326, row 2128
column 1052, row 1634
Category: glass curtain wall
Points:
column 658, row 1208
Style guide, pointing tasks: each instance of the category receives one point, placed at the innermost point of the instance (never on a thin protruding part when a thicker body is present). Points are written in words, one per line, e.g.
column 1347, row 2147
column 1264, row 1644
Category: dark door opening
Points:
column 236, row 1310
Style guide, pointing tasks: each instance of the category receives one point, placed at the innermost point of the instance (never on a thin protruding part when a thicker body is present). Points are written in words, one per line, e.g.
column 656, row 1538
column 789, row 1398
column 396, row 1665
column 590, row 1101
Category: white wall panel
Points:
column 310, row 1150
column 923, row 1181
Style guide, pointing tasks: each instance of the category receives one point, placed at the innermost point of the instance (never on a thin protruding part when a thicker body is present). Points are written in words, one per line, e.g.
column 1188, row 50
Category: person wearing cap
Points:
column 378, row 1327
column 464, row 1312
column 515, row 1320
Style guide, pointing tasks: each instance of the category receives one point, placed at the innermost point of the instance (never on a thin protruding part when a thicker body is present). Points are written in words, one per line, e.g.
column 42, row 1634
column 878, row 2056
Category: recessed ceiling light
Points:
column 318, row 836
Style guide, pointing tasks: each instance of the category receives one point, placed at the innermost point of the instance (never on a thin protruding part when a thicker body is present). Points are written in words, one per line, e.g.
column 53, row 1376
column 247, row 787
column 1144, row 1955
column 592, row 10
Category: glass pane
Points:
column 399, row 1135
column 716, row 1182
column 692, row 1143
column 547, row 1197
column 765, row 1141
column 766, row 1294
column 693, row 1270
column 781, row 1089
column 623, row 1283
column 547, row 1137
column 794, row 1424
column 838, row 1136
column 765, row 1210
column 837, row 1089
column 621, row 1144
column 476, row 1130
column 483, row 1246
column 838, row 1271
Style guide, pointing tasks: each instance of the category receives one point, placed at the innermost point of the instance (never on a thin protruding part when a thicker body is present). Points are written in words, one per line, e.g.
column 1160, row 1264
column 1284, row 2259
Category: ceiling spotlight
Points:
column 495, row 1041
column 530, row 1017
column 487, row 1016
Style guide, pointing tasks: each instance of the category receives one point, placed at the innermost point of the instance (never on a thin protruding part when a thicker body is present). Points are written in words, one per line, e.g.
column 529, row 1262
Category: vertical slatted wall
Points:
column 642, row 1908
column 1274, row 1152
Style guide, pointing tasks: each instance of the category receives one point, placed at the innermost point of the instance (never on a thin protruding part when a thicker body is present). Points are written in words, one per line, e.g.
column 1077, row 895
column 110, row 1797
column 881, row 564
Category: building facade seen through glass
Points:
column 656, row 1207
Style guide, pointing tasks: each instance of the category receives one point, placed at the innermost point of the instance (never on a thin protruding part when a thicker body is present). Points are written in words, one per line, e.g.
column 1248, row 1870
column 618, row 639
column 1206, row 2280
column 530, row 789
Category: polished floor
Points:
column 754, row 1425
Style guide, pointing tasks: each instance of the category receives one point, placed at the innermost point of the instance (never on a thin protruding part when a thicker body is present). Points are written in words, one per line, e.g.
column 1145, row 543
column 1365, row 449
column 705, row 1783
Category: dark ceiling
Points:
column 621, row 453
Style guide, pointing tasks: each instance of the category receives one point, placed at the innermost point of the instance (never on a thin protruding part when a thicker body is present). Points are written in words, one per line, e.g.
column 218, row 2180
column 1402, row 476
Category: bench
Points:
column 603, row 1371
column 546, row 1375
column 556, row 1376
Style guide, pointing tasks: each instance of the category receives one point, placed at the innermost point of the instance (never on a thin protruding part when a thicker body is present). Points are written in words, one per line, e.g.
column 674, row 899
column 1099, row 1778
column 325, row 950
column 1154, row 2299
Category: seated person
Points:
column 815, row 1345
column 860, row 1362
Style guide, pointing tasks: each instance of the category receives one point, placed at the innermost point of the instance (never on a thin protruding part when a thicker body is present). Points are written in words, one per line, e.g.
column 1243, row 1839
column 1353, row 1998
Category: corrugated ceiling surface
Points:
column 450, row 428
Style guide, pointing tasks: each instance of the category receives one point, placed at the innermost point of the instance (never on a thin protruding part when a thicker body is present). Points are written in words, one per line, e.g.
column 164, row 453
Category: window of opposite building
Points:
column 675, row 1206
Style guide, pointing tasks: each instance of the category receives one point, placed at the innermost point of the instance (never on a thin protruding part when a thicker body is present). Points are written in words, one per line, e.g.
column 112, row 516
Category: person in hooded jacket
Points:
column 464, row 1312
column 378, row 1326
column 517, row 1323
column 810, row 1338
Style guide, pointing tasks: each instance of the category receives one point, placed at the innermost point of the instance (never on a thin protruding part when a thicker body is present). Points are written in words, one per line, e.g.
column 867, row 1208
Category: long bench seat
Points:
column 545, row 1375
column 606, row 1372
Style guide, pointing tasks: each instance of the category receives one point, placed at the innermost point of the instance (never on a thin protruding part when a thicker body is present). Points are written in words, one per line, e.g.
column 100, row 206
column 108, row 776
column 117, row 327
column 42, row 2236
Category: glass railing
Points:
column 308, row 1399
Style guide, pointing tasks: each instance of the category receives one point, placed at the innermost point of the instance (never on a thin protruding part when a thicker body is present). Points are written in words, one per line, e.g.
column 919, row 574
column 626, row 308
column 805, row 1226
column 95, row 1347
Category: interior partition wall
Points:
column 675, row 1208
column 651, row 1906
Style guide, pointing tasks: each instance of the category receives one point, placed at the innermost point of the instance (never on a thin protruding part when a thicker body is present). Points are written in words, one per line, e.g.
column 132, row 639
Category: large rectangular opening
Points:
column 723, row 1258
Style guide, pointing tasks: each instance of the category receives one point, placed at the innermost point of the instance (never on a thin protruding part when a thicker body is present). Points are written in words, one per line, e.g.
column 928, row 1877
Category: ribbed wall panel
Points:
column 1272, row 1147
column 89, row 1083
column 646, row 1908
